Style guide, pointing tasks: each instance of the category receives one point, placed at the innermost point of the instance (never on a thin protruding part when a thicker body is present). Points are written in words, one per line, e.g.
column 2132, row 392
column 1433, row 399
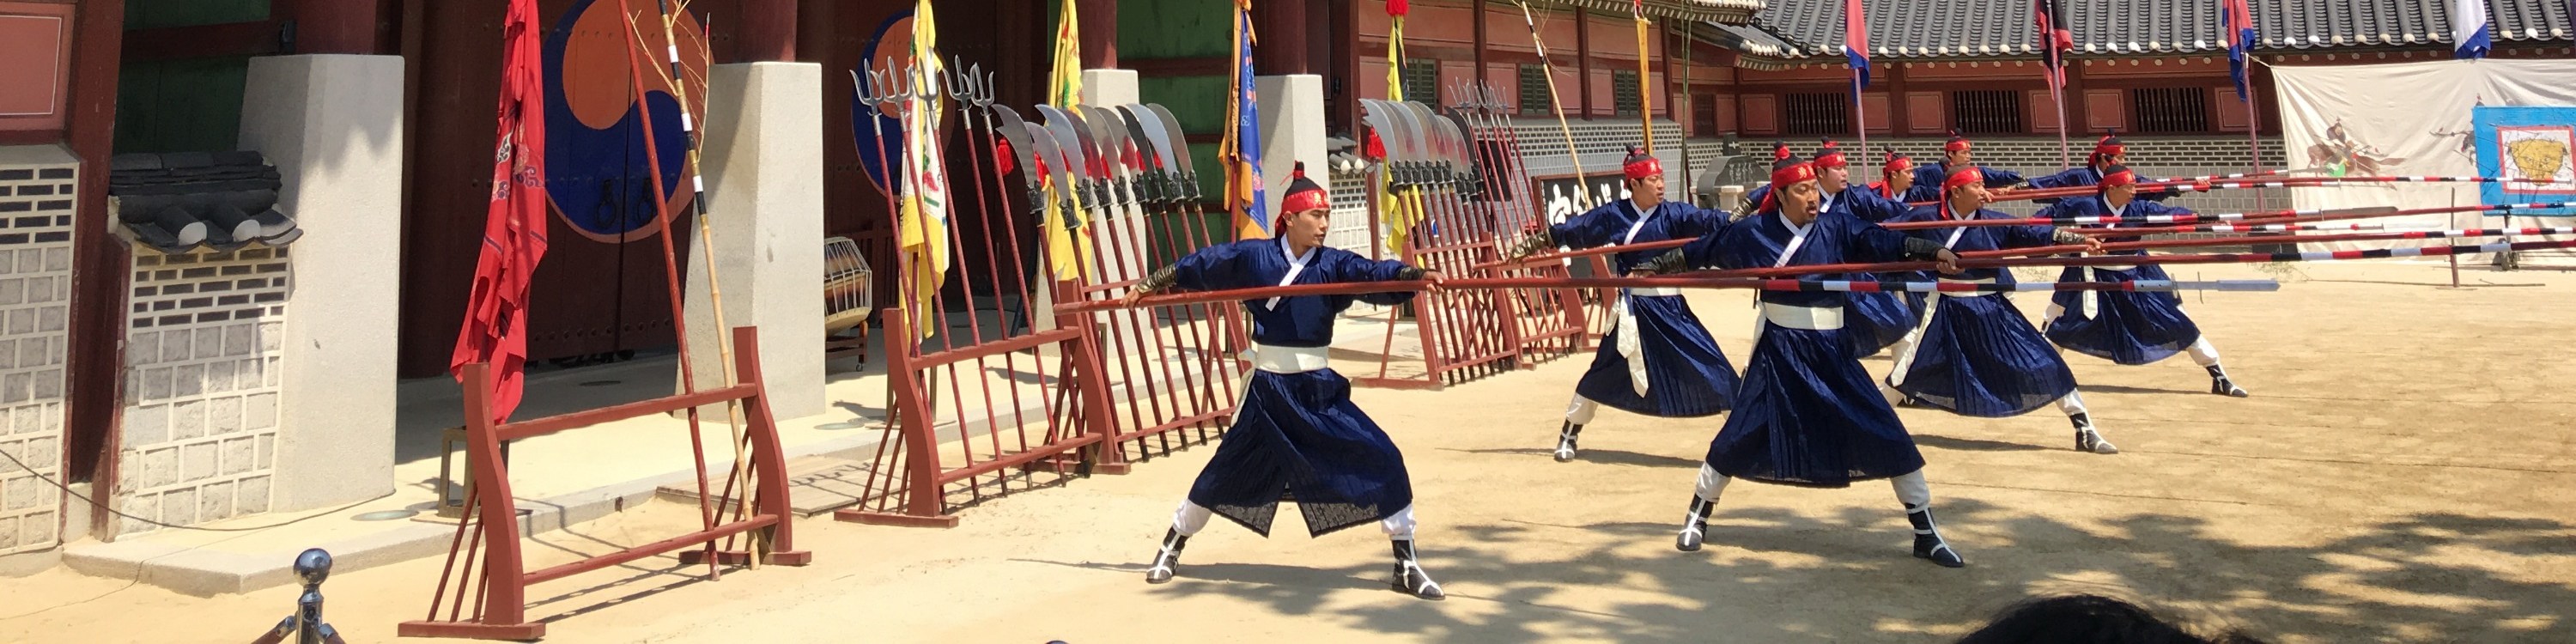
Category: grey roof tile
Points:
column 1904, row 29
column 222, row 200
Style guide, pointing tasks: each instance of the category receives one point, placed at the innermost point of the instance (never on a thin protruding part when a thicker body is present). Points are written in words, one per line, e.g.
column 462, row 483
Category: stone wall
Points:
column 201, row 396
column 36, row 205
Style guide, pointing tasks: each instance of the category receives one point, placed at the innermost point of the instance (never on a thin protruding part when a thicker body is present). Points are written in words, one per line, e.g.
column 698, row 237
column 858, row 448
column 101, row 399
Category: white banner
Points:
column 2412, row 119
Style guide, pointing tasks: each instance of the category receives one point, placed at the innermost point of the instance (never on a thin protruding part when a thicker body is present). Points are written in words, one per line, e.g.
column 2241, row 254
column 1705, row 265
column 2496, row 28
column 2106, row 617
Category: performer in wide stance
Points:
column 1296, row 431
column 1976, row 355
column 1806, row 414
column 1658, row 361
column 2129, row 328
column 1955, row 154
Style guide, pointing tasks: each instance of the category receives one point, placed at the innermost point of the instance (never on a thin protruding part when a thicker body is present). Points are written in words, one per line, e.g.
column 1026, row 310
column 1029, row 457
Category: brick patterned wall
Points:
column 36, row 205
column 201, row 397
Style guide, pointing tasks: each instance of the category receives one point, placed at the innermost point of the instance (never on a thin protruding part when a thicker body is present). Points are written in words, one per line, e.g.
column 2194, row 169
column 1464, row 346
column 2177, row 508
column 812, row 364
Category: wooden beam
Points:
column 1583, row 58
column 1099, row 20
column 261, row 38
column 768, row 31
column 338, row 26
column 94, row 379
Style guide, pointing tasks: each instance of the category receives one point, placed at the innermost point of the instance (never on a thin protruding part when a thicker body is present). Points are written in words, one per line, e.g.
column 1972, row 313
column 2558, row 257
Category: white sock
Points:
column 2072, row 404
column 1191, row 518
column 1580, row 411
column 1711, row 483
column 1399, row 525
column 1913, row 490
column 2203, row 352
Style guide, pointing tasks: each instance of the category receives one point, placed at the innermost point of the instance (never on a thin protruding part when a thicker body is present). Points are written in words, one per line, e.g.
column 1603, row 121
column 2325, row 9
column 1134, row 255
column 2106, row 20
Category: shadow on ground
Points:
column 1815, row 578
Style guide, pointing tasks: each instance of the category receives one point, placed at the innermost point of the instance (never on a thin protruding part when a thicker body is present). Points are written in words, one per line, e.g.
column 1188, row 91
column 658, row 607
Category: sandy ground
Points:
column 2399, row 475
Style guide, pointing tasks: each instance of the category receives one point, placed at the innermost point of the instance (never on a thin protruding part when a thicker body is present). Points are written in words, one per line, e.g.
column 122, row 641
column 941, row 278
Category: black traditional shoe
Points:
column 1912, row 402
column 1170, row 556
column 2219, row 384
column 1695, row 526
column 2087, row 439
column 1927, row 538
column 1565, row 441
column 1409, row 577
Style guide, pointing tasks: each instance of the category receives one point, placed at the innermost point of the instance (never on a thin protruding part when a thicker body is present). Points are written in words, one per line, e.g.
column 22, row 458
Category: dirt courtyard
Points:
column 2401, row 473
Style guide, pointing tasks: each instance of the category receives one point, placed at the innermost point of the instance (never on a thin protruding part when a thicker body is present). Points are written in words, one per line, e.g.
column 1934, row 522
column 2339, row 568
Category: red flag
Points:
column 514, row 231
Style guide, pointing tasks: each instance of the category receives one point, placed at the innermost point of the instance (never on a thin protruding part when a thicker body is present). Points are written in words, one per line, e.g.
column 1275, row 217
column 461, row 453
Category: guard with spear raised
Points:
column 1659, row 360
column 2127, row 328
column 1806, row 414
column 1295, row 431
column 1976, row 355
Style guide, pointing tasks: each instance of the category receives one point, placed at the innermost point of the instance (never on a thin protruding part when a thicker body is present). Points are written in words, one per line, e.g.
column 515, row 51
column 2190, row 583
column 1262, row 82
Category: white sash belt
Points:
column 1811, row 318
column 1946, row 280
column 1278, row 359
column 1654, row 292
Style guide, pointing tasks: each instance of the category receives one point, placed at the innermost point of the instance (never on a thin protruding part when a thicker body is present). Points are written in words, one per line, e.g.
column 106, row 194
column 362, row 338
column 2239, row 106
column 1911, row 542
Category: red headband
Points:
column 1644, row 167
column 1963, row 176
column 1898, row 165
column 2124, row 177
column 1831, row 158
column 1955, row 145
column 1304, row 201
column 1782, row 178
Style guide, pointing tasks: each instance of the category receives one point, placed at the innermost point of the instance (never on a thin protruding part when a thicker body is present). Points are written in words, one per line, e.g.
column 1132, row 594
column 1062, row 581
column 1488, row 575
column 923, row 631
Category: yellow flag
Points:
column 1067, row 237
column 922, row 227
column 1398, row 211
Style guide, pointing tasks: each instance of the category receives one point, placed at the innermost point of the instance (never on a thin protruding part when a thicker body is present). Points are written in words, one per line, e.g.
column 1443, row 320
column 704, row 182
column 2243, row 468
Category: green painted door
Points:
column 191, row 105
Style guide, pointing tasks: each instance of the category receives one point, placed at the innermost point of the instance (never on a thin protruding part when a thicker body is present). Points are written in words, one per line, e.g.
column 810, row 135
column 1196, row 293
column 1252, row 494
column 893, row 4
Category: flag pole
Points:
column 2253, row 130
column 2057, row 94
column 1860, row 114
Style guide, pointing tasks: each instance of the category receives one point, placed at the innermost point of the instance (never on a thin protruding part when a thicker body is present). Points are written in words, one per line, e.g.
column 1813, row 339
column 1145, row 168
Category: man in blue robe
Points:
column 1806, row 414
column 1974, row 354
column 1296, row 431
column 2124, row 327
column 1878, row 319
column 1658, row 360
column 1955, row 155
column 2109, row 151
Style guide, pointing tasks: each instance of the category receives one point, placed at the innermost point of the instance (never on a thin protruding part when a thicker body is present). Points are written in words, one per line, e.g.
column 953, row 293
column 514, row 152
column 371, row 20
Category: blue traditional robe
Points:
column 1807, row 413
column 1928, row 178
column 1686, row 374
column 2087, row 176
column 1975, row 354
column 2126, row 328
column 1297, row 432
column 1877, row 320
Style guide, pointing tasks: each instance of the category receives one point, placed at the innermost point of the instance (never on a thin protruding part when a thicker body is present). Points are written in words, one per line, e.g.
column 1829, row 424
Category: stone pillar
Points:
column 1292, row 130
column 764, row 171
column 333, row 124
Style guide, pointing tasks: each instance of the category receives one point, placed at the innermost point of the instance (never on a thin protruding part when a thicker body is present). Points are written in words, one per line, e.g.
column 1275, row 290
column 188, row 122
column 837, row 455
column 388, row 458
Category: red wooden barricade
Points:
column 1117, row 379
column 490, row 531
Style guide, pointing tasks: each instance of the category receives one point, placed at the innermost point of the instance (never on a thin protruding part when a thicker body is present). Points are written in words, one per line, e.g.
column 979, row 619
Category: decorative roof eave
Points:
column 1733, row 12
column 180, row 203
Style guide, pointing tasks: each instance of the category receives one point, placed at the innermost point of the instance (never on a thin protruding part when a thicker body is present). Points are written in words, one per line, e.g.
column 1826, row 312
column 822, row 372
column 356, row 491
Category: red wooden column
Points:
column 1281, row 26
column 768, row 31
column 1583, row 58
column 1099, row 20
column 341, row 26
column 100, row 264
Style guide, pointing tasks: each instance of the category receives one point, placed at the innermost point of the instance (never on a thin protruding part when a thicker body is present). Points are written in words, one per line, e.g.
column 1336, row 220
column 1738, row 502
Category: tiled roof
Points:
column 1916, row 29
column 1725, row 11
column 219, row 200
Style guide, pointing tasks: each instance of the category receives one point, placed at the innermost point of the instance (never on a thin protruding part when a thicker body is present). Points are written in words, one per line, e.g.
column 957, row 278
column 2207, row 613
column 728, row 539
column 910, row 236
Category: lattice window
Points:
column 1627, row 96
column 1986, row 111
column 1704, row 115
column 1819, row 114
column 2178, row 110
column 1534, row 99
column 1422, row 80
